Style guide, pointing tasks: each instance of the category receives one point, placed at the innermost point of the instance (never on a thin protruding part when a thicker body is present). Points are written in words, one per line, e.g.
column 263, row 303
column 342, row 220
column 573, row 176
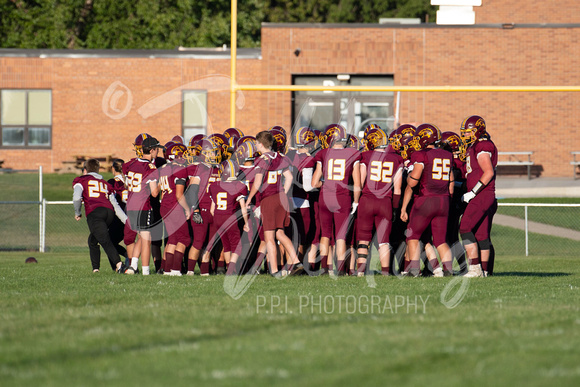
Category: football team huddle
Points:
column 309, row 202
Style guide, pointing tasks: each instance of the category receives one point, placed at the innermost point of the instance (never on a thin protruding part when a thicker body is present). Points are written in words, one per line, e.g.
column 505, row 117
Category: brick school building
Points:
column 59, row 105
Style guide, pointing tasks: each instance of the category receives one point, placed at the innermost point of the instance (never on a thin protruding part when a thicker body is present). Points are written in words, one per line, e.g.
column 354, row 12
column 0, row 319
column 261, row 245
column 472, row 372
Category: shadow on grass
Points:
column 529, row 274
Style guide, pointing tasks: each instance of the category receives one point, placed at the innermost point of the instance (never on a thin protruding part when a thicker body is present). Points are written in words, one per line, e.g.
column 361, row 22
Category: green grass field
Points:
column 62, row 325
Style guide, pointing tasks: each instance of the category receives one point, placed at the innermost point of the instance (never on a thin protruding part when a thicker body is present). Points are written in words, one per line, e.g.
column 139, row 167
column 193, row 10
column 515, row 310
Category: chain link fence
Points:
column 537, row 229
column 29, row 222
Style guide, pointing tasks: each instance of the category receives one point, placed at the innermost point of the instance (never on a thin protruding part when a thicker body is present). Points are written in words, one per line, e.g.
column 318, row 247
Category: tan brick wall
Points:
column 450, row 56
column 80, row 125
column 528, row 11
column 541, row 122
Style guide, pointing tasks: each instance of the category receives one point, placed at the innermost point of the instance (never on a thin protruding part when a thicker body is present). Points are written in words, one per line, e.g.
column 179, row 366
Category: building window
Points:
column 352, row 109
column 25, row 118
column 194, row 113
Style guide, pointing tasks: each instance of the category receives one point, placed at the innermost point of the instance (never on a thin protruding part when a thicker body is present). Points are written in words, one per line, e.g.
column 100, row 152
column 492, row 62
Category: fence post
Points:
column 526, row 227
column 41, row 211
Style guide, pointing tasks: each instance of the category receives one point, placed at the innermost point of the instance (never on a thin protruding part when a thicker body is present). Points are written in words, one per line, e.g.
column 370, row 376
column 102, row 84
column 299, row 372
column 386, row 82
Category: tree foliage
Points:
column 167, row 24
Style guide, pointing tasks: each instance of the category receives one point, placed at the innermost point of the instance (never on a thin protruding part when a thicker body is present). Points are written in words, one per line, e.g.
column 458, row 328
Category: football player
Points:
column 432, row 172
column 246, row 154
column 451, row 142
column 339, row 196
column 302, row 166
column 117, row 228
column 475, row 226
column 270, row 168
column 381, row 174
column 141, row 183
column 172, row 180
column 228, row 205
column 100, row 209
column 201, row 177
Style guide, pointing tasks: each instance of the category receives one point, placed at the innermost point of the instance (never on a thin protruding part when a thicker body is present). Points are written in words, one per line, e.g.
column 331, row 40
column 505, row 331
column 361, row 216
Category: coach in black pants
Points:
column 99, row 221
column 100, row 208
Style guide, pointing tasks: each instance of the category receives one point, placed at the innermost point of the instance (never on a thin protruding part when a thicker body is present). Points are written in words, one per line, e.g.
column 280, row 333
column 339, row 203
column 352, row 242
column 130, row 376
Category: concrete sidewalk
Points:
column 536, row 227
column 514, row 187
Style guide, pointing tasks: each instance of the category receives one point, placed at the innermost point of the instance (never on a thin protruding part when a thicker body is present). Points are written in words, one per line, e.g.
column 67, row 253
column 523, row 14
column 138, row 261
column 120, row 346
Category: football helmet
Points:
column 472, row 129
column 304, row 137
column 451, row 142
column 280, row 140
column 222, row 141
column 333, row 134
column 405, row 130
column 246, row 152
column 376, row 139
column 247, row 139
column 194, row 148
column 352, row 141
column 369, row 127
column 233, row 132
column 428, row 134
column 233, row 144
column 281, row 129
column 166, row 147
column 322, row 139
column 175, row 151
column 210, row 152
column 409, row 144
column 138, row 144
column 229, row 170
column 178, row 139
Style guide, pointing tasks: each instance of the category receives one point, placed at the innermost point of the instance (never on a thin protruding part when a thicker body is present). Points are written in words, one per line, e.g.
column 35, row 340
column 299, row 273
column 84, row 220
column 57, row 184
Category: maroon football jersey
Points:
column 473, row 170
column 207, row 175
column 458, row 169
column 192, row 169
column 138, row 174
column 299, row 162
column 381, row 170
column 247, row 174
column 168, row 176
column 271, row 165
column 96, row 192
column 337, row 165
column 225, row 195
column 437, row 171
column 121, row 193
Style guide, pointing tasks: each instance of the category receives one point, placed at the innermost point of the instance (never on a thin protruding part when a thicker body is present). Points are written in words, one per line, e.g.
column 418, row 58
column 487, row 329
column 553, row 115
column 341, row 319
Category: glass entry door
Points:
column 353, row 110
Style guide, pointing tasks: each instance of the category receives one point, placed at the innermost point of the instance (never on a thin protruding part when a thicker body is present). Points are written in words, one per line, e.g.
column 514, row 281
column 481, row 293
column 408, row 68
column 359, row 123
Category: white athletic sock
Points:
column 135, row 263
column 145, row 270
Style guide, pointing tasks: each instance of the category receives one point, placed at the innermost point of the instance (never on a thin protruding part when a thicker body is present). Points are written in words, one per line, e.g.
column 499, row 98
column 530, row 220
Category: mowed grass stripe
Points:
column 62, row 325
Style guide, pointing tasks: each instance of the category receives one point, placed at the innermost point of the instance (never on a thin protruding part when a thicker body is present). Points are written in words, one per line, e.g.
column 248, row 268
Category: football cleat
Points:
column 474, row 272
column 296, row 269
column 131, row 270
